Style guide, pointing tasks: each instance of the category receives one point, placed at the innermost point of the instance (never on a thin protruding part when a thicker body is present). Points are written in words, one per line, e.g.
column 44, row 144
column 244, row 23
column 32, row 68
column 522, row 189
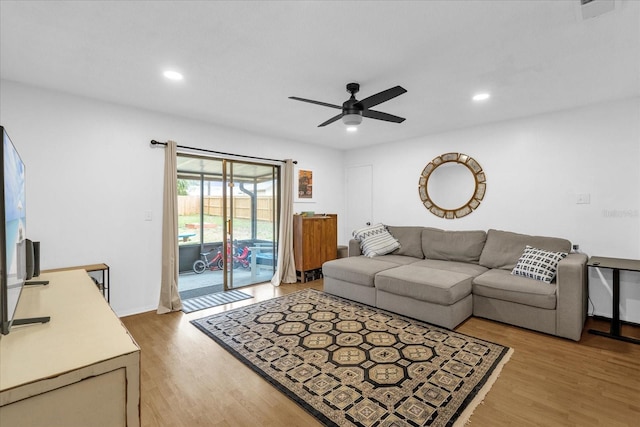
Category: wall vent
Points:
column 587, row 9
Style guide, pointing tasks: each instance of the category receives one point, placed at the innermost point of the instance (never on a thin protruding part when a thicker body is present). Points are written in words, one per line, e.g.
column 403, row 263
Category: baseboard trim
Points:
column 608, row 319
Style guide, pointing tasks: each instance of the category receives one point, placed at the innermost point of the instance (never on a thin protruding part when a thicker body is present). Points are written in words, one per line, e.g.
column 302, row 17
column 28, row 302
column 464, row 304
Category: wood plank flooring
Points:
column 188, row 380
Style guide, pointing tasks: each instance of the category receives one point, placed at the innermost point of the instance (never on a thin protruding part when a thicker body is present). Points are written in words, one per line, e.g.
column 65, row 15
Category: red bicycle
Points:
column 242, row 257
column 217, row 263
column 239, row 259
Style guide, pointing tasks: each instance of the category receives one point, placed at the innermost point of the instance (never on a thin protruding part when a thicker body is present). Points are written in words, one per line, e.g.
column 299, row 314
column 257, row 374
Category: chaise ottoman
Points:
column 436, row 296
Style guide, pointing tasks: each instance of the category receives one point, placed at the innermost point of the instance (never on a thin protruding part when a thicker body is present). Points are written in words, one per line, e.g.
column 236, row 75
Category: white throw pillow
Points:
column 538, row 264
column 375, row 240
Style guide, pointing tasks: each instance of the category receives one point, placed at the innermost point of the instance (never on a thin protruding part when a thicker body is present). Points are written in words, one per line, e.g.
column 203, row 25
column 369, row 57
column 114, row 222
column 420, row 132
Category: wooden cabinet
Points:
column 315, row 240
column 80, row 369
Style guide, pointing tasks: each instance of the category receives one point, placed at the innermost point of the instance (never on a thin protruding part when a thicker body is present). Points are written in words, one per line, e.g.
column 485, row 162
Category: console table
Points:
column 615, row 264
column 105, row 285
column 80, row 369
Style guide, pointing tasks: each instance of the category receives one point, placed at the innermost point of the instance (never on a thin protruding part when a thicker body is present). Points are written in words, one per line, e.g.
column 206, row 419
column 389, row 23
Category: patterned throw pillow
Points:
column 538, row 264
column 375, row 240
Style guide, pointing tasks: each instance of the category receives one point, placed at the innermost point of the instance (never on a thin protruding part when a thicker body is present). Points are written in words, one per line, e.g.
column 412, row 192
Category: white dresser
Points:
column 80, row 369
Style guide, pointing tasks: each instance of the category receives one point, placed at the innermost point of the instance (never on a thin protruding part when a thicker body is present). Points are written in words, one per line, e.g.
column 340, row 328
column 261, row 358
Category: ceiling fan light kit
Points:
column 352, row 119
column 353, row 110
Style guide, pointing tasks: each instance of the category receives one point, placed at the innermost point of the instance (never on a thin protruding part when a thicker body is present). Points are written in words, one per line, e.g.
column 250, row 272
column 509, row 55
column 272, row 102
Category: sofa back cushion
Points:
column 503, row 249
column 410, row 239
column 462, row 246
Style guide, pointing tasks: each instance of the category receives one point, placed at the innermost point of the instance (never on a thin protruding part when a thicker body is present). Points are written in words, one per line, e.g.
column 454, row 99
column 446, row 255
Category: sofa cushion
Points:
column 375, row 240
column 538, row 264
column 359, row 270
column 457, row 267
column 463, row 246
column 410, row 240
column 398, row 259
column 503, row 248
column 502, row 285
column 425, row 284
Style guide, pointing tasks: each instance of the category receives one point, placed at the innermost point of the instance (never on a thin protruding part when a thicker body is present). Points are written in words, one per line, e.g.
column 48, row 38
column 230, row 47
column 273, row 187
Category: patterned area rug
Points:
column 212, row 300
column 354, row 365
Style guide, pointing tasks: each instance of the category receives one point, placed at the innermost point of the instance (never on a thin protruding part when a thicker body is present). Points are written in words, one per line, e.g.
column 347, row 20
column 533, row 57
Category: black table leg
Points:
column 616, row 323
column 615, row 319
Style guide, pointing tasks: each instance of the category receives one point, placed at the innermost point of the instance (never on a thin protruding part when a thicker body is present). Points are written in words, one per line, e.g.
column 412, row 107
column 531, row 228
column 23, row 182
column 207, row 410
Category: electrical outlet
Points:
column 148, row 216
column 576, row 248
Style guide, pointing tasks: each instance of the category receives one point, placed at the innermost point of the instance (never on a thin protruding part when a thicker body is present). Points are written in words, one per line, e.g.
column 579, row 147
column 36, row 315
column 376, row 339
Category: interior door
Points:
column 359, row 197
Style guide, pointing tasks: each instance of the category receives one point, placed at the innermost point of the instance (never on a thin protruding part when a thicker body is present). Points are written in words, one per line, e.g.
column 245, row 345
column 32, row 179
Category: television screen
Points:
column 12, row 231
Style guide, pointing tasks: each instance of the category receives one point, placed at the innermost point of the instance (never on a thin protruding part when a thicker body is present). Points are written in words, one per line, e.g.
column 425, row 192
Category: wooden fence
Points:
column 212, row 205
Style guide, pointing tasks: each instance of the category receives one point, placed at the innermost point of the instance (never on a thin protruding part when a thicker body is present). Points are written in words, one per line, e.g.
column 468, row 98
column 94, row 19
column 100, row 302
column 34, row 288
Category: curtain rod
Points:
column 154, row 142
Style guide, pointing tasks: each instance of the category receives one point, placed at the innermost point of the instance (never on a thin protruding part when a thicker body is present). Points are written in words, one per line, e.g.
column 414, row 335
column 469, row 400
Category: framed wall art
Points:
column 304, row 186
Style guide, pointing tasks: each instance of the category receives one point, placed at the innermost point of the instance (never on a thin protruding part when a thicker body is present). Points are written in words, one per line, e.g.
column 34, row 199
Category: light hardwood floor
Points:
column 188, row 380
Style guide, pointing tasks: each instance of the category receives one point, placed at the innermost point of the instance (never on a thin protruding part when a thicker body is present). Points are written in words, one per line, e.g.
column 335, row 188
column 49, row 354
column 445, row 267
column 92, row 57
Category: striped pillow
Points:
column 538, row 264
column 375, row 240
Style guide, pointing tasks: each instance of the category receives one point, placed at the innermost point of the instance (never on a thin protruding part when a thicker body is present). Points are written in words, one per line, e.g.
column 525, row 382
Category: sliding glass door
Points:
column 227, row 223
column 251, row 222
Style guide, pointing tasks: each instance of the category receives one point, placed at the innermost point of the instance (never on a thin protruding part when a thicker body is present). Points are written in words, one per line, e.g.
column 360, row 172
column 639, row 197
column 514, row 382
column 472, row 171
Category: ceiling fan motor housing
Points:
column 352, row 105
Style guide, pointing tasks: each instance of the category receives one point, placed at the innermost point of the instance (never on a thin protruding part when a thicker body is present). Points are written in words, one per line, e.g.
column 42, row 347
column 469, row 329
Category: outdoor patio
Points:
column 191, row 285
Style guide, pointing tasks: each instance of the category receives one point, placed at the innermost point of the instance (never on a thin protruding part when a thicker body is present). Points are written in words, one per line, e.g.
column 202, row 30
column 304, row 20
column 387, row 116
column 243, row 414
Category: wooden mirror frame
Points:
column 478, row 193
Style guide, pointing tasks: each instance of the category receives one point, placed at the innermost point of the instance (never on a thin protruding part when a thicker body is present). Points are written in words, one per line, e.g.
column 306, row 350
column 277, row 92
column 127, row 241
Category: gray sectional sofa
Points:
column 444, row 277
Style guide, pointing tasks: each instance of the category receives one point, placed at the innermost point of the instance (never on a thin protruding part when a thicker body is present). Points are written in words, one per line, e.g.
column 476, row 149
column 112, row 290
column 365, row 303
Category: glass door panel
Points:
column 200, row 256
column 227, row 204
column 251, row 207
column 189, row 210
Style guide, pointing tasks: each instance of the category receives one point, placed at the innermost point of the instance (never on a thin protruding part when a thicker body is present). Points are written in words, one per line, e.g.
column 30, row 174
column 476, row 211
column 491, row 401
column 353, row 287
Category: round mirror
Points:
column 452, row 185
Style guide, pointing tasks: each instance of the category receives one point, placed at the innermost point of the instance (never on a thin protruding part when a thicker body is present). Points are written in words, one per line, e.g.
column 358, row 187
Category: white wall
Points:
column 91, row 176
column 535, row 168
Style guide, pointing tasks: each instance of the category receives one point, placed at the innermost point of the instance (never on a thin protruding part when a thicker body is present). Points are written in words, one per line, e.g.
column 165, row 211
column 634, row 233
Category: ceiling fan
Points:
column 353, row 110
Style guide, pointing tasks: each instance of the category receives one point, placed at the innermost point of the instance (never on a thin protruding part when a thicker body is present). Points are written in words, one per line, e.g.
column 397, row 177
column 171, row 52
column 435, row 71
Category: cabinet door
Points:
column 329, row 243
column 98, row 400
column 313, row 232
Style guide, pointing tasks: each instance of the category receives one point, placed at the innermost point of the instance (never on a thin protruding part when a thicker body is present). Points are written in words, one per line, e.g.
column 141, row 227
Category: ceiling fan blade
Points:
column 331, row 120
column 382, row 116
column 316, row 102
column 381, row 97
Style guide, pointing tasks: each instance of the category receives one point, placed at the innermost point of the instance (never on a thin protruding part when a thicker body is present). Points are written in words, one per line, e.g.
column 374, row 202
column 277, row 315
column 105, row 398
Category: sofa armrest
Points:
column 354, row 248
column 572, row 296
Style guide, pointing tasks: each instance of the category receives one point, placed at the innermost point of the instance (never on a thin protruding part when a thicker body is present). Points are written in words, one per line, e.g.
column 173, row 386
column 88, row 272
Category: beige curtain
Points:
column 285, row 268
column 169, row 297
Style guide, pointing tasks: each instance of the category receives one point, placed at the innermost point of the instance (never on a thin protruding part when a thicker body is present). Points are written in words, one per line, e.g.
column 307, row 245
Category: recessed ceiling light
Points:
column 352, row 128
column 173, row 75
column 481, row 96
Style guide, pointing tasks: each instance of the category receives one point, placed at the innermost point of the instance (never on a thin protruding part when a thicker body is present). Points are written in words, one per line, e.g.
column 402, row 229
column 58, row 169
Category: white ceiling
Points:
column 242, row 60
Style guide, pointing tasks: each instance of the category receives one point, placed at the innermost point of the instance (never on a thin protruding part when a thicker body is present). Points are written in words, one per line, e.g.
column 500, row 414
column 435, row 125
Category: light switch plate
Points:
column 583, row 199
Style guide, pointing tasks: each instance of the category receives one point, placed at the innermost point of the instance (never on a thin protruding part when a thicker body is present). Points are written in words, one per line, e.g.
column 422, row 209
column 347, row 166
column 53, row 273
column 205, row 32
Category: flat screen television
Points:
column 13, row 232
